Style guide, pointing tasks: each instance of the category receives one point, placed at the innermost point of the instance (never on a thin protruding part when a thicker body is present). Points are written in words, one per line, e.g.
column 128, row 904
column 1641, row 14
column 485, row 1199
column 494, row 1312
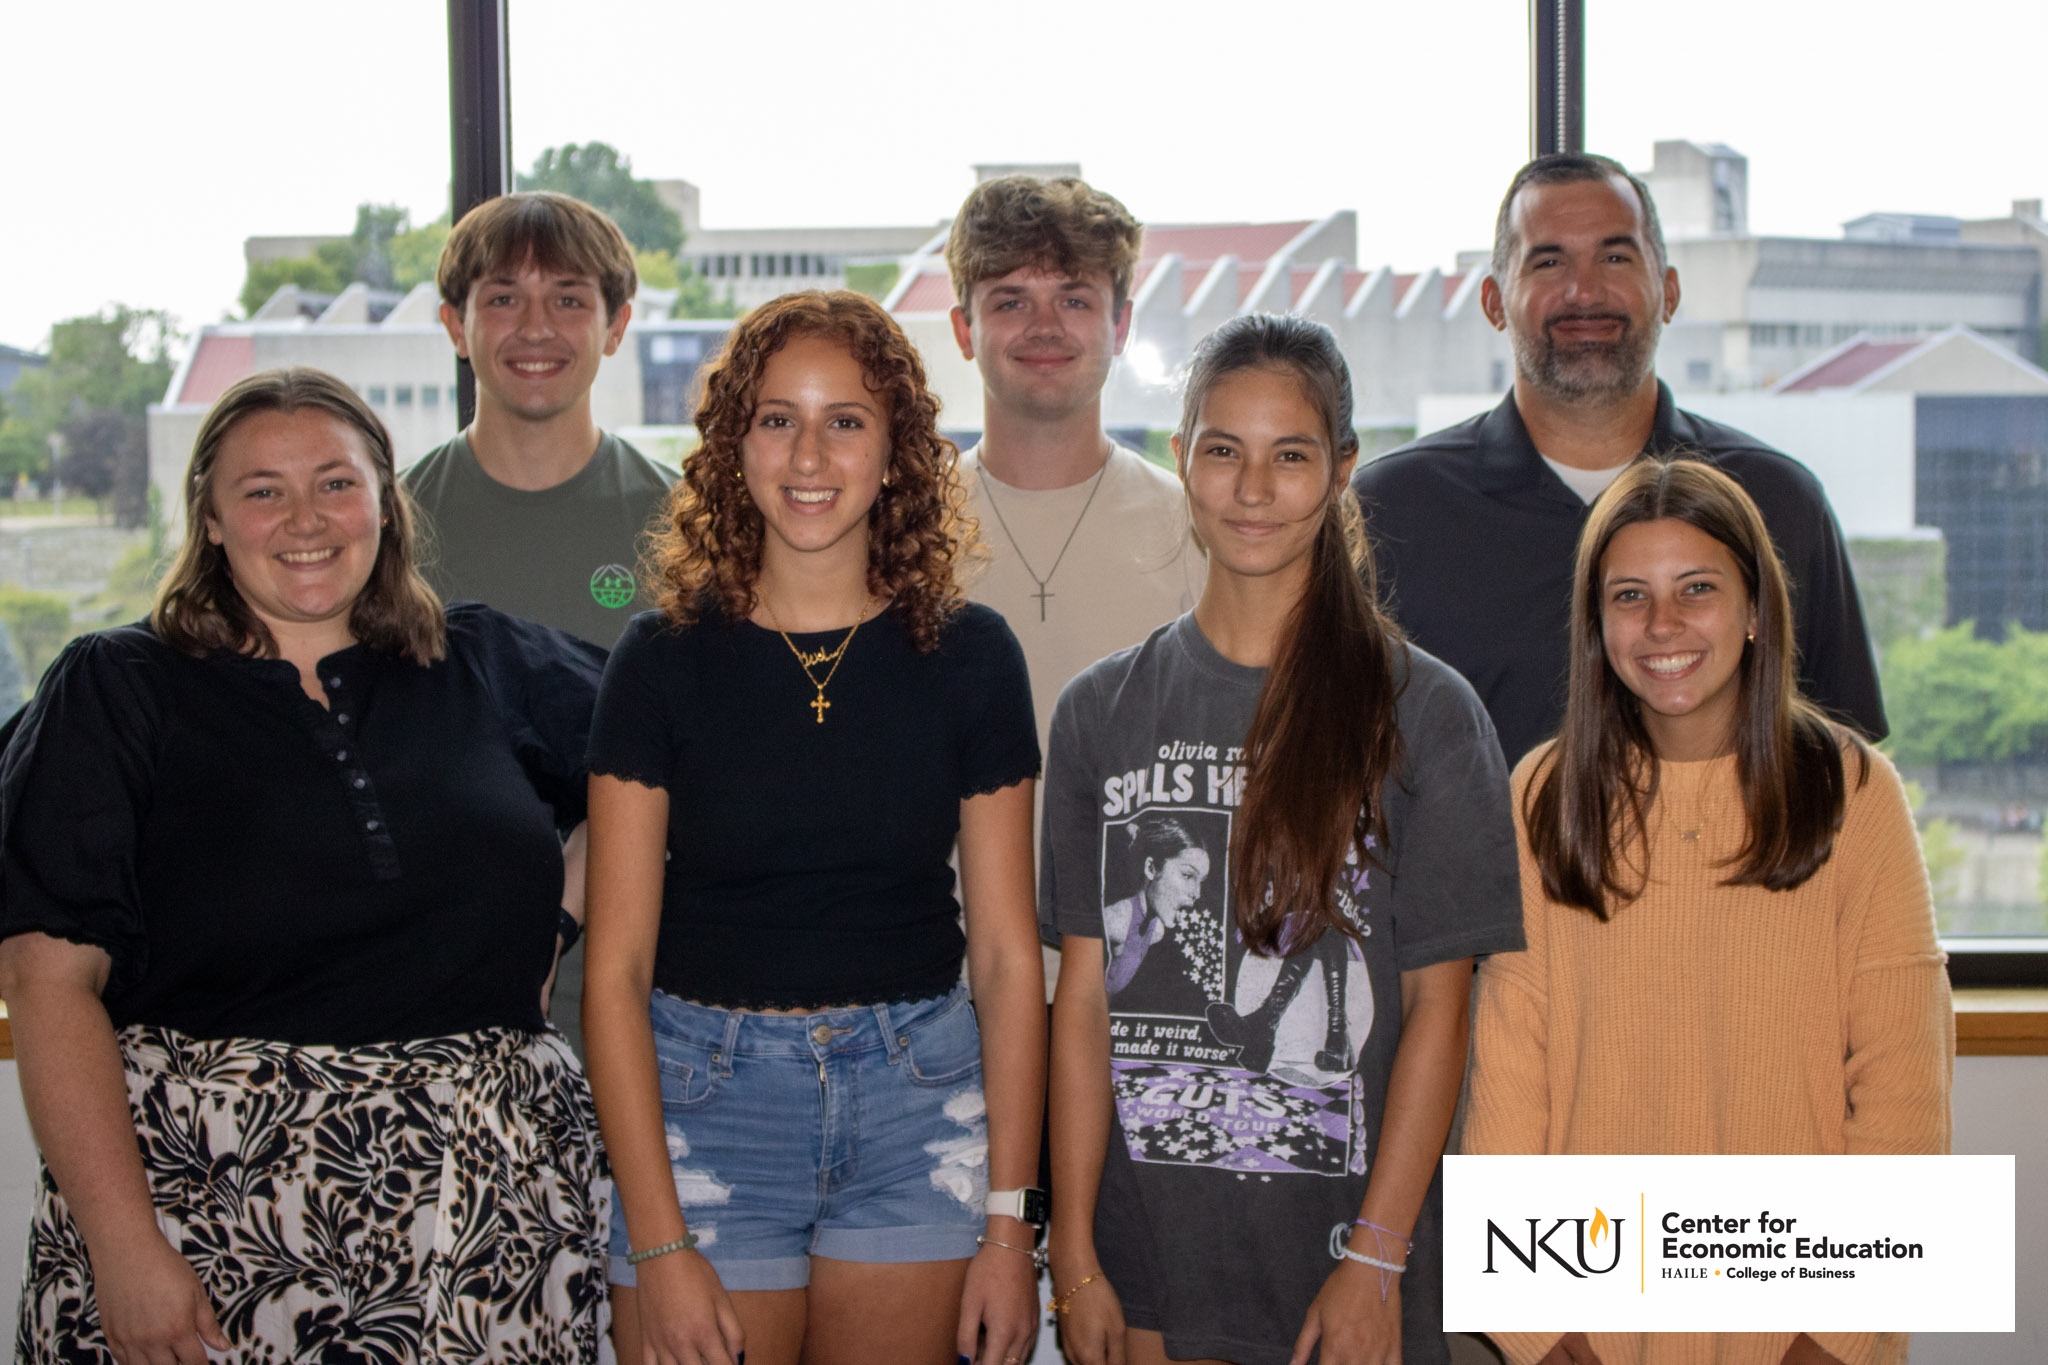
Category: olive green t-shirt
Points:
column 564, row 556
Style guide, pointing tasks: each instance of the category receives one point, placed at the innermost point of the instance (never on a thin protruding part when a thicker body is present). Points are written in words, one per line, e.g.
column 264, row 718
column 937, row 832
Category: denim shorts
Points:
column 858, row 1134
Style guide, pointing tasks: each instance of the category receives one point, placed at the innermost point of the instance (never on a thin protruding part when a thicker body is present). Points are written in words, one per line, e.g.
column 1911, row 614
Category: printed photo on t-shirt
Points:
column 1221, row 1057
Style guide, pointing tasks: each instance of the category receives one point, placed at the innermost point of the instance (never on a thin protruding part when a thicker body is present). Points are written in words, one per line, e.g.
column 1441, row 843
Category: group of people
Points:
column 293, row 873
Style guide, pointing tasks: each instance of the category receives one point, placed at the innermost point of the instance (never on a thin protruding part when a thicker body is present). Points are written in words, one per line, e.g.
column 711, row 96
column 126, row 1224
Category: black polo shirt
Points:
column 1474, row 537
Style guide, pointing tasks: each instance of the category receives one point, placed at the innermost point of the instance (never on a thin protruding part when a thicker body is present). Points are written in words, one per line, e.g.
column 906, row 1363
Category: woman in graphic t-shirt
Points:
column 804, row 1120
column 1700, row 824
column 1245, row 1154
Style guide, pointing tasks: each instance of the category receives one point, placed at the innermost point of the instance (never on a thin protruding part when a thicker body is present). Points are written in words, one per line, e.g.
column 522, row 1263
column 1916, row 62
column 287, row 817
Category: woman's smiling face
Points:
column 1675, row 619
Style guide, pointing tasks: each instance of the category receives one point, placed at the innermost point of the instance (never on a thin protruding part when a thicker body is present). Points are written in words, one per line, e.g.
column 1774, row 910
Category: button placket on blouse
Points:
column 369, row 814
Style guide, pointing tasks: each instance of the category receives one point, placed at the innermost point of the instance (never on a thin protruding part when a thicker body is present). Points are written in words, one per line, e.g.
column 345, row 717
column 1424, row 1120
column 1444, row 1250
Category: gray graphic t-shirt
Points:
column 1249, row 1089
column 563, row 556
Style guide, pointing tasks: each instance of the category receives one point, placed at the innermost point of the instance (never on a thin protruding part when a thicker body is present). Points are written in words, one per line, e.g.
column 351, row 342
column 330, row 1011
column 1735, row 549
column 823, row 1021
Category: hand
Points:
column 1572, row 1349
column 1804, row 1350
column 153, row 1308
column 1353, row 1323
column 1092, row 1328
column 685, row 1316
column 999, row 1306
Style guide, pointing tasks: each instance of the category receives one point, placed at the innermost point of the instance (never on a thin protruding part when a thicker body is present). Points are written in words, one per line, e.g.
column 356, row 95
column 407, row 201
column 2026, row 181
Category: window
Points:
column 402, row 395
column 1699, row 373
column 377, row 395
column 430, row 395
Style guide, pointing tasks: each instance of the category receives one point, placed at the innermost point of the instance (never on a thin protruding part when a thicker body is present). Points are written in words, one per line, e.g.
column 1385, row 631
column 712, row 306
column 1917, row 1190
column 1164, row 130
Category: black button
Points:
column 341, row 757
column 361, row 783
column 334, row 682
column 369, row 824
column 341, row 719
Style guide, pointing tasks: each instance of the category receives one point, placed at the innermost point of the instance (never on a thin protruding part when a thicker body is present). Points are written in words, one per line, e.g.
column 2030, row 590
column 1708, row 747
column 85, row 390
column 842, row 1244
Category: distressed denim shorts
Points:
column 859, row 1134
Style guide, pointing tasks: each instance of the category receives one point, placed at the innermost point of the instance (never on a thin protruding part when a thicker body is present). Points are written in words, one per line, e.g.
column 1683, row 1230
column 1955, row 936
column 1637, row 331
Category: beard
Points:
column 1586, row 370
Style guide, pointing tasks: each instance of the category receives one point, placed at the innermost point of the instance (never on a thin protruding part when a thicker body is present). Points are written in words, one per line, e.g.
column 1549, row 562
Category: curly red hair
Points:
column 919, row 531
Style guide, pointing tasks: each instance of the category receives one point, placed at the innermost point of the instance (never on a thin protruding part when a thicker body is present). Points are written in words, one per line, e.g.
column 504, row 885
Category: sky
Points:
column 147, row 140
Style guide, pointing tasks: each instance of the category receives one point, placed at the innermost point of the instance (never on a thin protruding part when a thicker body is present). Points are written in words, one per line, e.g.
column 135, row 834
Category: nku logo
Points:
column 1588, row 1237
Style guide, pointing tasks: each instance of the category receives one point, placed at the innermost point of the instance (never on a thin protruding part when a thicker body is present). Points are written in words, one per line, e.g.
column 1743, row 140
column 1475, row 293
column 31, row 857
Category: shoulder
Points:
column 977, row 636
column 1096, row 691
column 1875, row 792
column 1437, row 705
column 1532, row 766
column 1143, row 480
column 1773, row 478
column 479, row 635
column 637, row 472
column 426, row 475
column 121, row 657
column 1426, row 460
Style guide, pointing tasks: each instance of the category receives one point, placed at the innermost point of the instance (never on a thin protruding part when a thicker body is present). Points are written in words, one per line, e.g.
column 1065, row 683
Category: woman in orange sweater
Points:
column 1731, row 938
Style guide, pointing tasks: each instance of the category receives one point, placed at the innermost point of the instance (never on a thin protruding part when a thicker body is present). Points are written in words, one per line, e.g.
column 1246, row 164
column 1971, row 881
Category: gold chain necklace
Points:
column 812, row 660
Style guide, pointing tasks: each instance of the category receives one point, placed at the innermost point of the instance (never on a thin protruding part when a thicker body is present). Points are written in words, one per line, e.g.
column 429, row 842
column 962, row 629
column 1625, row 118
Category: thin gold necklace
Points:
column 816, row 658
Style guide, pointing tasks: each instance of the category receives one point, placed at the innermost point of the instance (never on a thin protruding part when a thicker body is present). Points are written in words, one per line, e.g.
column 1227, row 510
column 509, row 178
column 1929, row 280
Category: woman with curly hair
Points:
column 803, row 1117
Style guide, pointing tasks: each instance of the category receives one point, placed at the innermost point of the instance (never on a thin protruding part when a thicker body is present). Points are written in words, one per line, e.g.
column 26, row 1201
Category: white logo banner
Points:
column 1729, row 1243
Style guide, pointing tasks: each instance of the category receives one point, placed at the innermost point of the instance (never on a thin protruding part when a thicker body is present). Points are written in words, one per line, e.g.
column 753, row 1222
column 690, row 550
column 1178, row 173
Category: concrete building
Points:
column 753, row 265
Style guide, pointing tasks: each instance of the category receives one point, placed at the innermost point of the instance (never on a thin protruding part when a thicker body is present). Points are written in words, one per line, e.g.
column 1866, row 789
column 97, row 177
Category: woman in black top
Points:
column 786, row 1066
column 280, row 888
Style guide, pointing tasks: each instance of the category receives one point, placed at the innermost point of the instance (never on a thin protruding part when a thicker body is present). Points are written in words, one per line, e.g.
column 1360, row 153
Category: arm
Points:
column 1083, row 1107
column 1007, row 974
column 1358, row 1321
column 152, row 1306
column 683, row 1310
column 575, row 875
column 1509, row 1111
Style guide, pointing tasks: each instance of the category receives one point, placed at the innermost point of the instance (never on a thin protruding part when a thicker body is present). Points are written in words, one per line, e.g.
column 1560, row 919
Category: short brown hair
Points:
column 1569, row 168
column 198, row 608
column 918, row 530
column 1064, row 224
column 556, row 233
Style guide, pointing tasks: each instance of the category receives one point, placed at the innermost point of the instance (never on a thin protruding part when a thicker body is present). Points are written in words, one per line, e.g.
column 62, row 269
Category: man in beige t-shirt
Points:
column 1089, row 543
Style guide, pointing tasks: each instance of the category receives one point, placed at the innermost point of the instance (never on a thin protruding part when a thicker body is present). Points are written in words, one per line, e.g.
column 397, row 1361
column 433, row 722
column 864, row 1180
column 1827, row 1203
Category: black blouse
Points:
column 385, row 868
column 808, row 863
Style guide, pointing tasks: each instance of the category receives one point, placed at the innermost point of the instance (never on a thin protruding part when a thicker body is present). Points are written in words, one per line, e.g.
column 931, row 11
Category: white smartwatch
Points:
column 1027, row 1205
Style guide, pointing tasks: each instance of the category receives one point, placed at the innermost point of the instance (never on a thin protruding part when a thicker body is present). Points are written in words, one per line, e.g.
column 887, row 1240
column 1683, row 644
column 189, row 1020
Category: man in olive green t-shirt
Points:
column 533, row 510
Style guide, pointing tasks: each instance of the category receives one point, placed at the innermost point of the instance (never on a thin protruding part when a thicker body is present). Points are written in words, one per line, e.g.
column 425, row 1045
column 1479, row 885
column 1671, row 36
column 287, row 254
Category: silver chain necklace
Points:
column 989, row 492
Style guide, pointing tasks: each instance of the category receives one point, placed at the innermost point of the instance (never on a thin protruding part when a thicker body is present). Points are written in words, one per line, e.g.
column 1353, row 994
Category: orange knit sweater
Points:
column 1720, row 1019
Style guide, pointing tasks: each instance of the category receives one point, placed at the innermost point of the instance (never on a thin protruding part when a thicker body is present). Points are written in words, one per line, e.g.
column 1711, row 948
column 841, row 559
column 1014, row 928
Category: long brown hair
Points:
column 198, row 608
column 918, row 530
column 1587, row 809
column 1323, row 740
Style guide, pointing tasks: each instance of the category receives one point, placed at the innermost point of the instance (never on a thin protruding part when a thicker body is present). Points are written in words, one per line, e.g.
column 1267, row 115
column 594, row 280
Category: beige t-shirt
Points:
column 1132, row 566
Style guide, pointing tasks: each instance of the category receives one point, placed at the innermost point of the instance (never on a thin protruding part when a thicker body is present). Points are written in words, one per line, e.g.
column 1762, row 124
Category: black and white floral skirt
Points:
column 438, row 1200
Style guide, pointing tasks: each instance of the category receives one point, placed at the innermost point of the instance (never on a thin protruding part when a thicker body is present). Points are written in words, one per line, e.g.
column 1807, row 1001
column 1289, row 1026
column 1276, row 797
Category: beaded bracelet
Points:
column 1037, row 1256
column 1341, row 1252
column 1060, row 1303
column 687, row 1242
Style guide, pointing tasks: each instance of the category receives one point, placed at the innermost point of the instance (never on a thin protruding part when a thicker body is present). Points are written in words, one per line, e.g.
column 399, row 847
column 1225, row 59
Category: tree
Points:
column 104, row 372
column 314, row 274
column 383, row 251
column 1954, row 698
column 597, row 174
column 416, row 253
column 694, row 299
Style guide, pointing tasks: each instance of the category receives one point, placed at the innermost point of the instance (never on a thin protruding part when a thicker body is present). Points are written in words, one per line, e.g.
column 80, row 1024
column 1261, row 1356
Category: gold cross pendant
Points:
column 821, row 706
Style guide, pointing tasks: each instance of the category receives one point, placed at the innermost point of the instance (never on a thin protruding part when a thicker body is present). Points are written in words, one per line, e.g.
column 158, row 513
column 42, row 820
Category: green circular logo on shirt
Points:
column 613, row 586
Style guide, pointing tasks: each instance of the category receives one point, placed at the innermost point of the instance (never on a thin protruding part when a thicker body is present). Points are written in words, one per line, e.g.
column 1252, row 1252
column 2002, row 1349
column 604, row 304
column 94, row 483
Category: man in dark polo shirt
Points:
column 1474, row 528
column 533, row 509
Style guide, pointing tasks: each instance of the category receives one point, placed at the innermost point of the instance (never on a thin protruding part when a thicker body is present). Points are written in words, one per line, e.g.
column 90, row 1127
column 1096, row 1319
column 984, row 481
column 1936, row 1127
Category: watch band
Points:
column 1026, row 1205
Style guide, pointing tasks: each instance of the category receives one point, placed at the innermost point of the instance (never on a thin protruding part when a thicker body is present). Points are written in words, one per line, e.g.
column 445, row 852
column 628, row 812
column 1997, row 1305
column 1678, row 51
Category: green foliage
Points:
column 310, row 273
column 694, row 299
column 875, row 280
column 596, row 173
column 416, row 253
column 40, row 624
column 131, row 585
column 1953, row 698
column 1903, row 585
column 104, row 372
column 657, row 269
column 383, row 251
column 1945, row 857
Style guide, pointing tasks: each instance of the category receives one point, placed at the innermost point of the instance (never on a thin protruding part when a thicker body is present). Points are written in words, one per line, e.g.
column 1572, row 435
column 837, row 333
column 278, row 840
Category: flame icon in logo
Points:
column 1600, row 1226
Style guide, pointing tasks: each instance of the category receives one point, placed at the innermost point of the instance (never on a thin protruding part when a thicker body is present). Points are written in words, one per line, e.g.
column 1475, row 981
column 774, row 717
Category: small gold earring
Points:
column 1752, row 637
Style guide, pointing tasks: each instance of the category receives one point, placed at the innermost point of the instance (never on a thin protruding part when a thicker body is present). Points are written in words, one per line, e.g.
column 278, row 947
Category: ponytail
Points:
column 1323, row 741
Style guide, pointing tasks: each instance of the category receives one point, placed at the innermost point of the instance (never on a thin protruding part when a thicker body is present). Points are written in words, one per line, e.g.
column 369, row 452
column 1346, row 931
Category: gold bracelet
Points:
column 1061, row 1302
